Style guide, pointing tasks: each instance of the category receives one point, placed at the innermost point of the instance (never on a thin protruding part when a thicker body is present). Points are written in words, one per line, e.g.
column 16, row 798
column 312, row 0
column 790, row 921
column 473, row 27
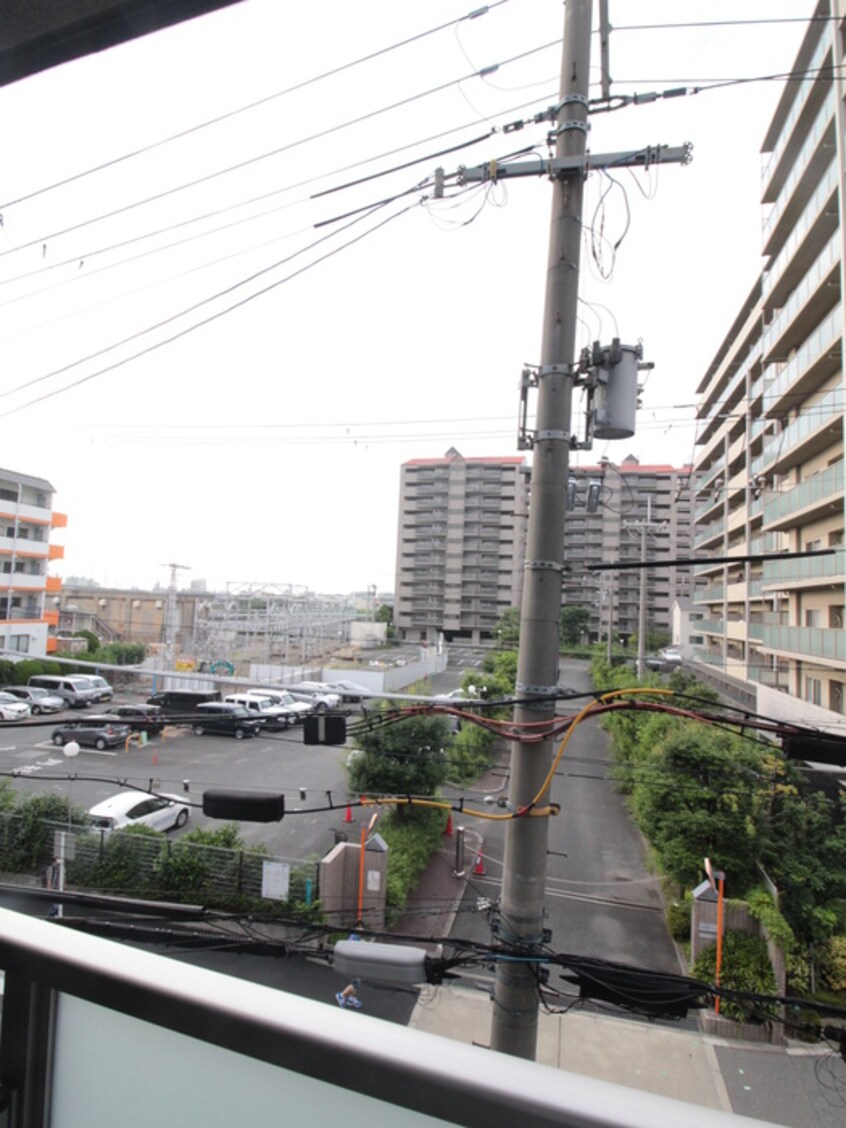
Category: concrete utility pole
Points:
column 521, row 919
column 646, row 528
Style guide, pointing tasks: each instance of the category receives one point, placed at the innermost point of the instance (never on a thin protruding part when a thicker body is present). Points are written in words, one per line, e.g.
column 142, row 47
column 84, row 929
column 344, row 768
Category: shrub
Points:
column 411, row 841
column 745, row 967
column 678, row 919
column 472, row 752
column 831, row 963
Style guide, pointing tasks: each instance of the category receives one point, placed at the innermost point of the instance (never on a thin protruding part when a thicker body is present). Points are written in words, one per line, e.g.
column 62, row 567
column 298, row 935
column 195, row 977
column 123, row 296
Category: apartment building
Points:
column 460, row 545
column 769, row 467
column 629, row 512
column 26, row 591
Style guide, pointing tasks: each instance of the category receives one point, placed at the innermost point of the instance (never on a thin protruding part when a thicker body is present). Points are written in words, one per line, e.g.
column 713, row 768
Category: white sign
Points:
column 374, row 881
column 275, row 880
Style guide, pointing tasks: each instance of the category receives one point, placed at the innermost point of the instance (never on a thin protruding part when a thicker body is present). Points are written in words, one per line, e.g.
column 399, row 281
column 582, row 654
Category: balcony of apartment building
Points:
column 816, row 293
column 826, row 646
column 807, row 95
column 820, row 496
column 809, row 163
column 808, row 572
column 809, row 235
column 818, row 428
column 710, row 535
column 816, row 361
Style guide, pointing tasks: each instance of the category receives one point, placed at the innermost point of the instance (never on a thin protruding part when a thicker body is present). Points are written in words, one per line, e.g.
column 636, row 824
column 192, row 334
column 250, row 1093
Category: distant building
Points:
column 26, row 522
column 769, row 468
column 460, row 545
column 619, row 513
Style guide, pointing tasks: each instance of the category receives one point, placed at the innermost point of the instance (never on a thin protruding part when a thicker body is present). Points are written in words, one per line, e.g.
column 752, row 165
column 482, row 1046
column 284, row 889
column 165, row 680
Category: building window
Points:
column 813, row 691
column 20, row 643
column 835, row 696
column 813, row 617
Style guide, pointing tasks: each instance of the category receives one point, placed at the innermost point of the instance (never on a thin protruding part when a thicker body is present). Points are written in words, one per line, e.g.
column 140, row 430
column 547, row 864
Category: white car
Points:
column 11, row 708
column 137, row 808
column 296, row 711
column 316, row 694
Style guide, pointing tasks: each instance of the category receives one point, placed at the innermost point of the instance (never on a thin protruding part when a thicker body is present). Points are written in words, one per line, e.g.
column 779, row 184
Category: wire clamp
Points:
column 560, row 436
column 557, row 370
column 545, row 565
column 538, row 690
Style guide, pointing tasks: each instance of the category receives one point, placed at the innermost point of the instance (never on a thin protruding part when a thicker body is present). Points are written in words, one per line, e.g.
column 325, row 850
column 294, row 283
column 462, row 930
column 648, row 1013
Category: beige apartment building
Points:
column 630, row 512
column 460, row 545
column 769, row 468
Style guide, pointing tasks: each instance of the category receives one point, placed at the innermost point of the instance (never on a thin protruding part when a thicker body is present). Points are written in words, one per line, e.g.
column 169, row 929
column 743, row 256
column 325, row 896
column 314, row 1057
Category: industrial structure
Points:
column 769, row 471
column 26, row 590
column 461, row 544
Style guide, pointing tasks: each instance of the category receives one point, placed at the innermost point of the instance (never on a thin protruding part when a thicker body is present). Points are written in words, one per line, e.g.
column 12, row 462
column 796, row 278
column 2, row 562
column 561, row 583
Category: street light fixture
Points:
column 69, row 750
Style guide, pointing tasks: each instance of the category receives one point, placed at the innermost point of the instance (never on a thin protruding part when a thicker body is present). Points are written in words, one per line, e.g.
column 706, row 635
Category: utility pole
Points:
column 646, row 526
column 170, row 614
column 521, row 918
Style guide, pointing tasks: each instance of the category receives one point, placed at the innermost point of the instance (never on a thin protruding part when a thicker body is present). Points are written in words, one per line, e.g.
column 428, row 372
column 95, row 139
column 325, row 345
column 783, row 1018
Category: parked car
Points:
column 77, row 691
column 135, row 808
column 316, row 694
column 665, row 661
column 297, row 711
column 226, row 718
column 12, row 708
column 141, row 717
column 103, row 690
column 350, row 691
column 183, row 700
column 39, row 700
column 263, row 708
column 98, row 732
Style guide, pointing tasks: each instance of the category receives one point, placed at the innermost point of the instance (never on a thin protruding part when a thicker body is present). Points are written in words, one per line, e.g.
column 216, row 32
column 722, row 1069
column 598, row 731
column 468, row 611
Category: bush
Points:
column 678, row 919
column 411, row 841
column 745, row 967
column 831, row 963
column 472, row 752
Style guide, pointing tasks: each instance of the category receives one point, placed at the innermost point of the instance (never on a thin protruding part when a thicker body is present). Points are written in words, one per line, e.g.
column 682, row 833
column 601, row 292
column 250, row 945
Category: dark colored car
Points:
column 94, row 732
column 183, row 700
column 141, row 718
column 222, row 717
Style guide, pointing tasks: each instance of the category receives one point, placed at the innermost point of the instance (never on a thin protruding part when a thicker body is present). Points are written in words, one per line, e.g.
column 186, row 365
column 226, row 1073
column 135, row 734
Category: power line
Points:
column 254, row 105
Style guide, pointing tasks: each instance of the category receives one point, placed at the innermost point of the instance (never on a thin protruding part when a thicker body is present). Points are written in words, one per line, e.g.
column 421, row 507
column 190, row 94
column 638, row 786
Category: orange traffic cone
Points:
column 348, row 815
column 448, row 830
column 479, row 868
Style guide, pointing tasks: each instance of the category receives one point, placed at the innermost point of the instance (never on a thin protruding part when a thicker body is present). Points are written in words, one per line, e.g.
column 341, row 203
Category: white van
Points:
column 74, row 689
column 263, row 708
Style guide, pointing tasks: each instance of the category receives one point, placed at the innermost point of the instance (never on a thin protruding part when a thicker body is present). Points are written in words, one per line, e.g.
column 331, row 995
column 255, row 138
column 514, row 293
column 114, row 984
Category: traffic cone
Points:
column 479, row 868
column 448, row 830
column 348, row 815
column 155, row 758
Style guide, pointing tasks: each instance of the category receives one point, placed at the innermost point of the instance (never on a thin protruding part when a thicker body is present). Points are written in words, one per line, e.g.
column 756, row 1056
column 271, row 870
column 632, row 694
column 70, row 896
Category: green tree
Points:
column 385, row 614
column 405, row 757
column 574, row 621
column 91, row 639
column 507, row 629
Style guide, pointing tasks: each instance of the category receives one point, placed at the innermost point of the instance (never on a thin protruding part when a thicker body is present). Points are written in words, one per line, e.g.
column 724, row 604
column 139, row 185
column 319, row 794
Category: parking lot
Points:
column 179, row 762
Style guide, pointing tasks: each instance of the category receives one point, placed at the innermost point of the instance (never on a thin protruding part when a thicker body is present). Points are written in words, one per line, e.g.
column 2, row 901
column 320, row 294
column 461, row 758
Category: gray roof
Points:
column 27, row 480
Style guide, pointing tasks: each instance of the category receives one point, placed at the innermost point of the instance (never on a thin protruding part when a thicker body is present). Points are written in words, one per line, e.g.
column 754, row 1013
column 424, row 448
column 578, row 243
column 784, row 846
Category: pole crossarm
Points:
column 557, row 168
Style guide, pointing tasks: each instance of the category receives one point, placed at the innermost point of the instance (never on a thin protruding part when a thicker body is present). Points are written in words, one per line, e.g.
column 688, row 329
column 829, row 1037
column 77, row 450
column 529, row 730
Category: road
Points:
column 601, row 899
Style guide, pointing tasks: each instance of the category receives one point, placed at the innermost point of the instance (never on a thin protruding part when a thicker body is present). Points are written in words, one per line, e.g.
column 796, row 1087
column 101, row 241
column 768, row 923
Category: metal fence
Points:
column 152, row 865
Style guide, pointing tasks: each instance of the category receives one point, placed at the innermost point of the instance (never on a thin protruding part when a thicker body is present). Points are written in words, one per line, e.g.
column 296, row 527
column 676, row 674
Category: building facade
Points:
column 460, row 545
column 769, row 468
column 630, row 512
column 26, row 590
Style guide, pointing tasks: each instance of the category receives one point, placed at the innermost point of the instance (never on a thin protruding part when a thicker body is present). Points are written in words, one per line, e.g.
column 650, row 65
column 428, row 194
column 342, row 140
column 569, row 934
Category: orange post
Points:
column 721, row 879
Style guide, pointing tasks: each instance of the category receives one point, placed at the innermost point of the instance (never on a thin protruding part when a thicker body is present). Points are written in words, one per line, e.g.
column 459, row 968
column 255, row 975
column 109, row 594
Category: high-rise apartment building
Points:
column 460, row 545
column 769, row 471
column 628, row 512
column 26, row 519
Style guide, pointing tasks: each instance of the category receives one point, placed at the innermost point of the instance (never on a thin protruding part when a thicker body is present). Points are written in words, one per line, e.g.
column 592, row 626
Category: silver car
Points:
column 11, row 709
column 39, row 700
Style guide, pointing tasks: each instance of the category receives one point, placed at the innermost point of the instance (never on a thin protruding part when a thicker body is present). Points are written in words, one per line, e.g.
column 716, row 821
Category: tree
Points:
column 385, row 614
column 92, row 641
column 402, row 757
column 507, row 629
column 574, row 621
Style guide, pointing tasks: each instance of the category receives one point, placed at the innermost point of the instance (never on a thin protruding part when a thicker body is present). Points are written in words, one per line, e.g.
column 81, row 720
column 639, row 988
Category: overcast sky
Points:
column 232, row 388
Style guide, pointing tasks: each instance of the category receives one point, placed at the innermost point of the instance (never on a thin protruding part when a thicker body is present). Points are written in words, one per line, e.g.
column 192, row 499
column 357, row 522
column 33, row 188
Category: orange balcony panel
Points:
column 51, row 617
column 54, row 583
column 52, row 645
column 59, row 520
column 56, row 552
